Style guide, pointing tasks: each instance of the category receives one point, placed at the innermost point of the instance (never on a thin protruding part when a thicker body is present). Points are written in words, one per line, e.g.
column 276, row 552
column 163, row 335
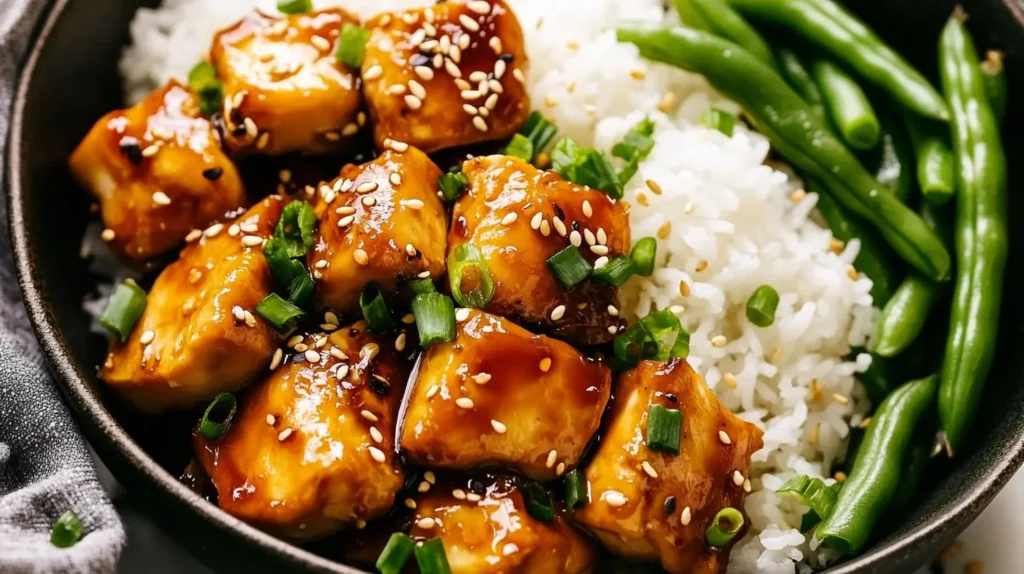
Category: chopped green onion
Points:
column 397, row 552
column 291, row 273
column 295, row 229
column 569, row 266
column 815, row 494
column 681, row 348
column 124, row 309
column 217, row 417
column 204, row 83
column 762, row 305
column 452, row 184
column 658, row 336
column 352, row 45
column 294, row 6
column 375, row 310
column 539, row 131
column 575, row 489
column 538, row 501
column 521, row 147
column 300, row 290
column 718, row 119
column 282, row 314
column 664, row 429
column 422, row 286
column 431, row 557
column 643, row 255
column 615, row 272
column 435, row 318
column 67, row 530
column 724, row 528
column 585, row 166
column 466, row 263
column 634, row 148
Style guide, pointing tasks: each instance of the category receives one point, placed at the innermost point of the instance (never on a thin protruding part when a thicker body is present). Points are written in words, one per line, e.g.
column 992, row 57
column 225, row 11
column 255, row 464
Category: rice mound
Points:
column 727, row 220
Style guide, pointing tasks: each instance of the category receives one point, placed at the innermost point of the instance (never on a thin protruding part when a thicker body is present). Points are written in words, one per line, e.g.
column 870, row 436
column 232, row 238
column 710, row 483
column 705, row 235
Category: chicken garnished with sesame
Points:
column 518, row 217
column 672, row 463
column 448, row 75
column 200, row 333
column 312, row 447
column 158, row 172
column 379, row 222
column 498, row 395
column 284, row 89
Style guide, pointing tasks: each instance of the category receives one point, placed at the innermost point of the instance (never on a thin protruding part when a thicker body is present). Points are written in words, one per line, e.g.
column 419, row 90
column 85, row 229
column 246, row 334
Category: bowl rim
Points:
column 89, row 411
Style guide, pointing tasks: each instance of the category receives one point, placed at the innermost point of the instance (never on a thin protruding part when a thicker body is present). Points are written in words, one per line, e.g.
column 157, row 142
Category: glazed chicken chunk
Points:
column 498, row 395
column 519, row 216
column 284, row 88
column 448, row 75
column 379, row 222
column 199, row 333
column 311, row 448
column 633, row 487
column 485, row 528
column 158, row 172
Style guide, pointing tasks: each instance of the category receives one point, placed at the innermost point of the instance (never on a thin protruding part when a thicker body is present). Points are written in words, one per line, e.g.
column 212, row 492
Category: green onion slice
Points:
column 124, row 309
column 643, row 255
column 300, row 290
column 281, row 313
column 616, row 272
column 67, row 530
column 467, row 264
column 521, row 147
column 452, row 184
column 538, row 501
column 815, row 494
column 294, row 6
column 585, row 166
column 291, row 273
column 575, row 489
column 724, row 528
column 375, row 310
column 204, row 83
column 718, row 119
column 217, row 417
column 539, row 131
column 431, row 557
column 422, row 286
column 634, row 148
column 664, row 429
column 658, row 336
column 569, row 266
column 762, row 305
column 397, row 552
column 295, row 229
column 435, row 318
column 352, row 45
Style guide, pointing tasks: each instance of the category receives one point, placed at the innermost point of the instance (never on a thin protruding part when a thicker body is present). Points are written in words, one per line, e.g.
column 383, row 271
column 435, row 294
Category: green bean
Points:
column 847, row 105
column 915, row 463
column 995, row 83
column 717, row 17
column 875, row 478
column 981, row 234
column 799, row 77
column 796, row 134
column 894, row 157
column 904, row 316
column 934, row 158
column 849, row 41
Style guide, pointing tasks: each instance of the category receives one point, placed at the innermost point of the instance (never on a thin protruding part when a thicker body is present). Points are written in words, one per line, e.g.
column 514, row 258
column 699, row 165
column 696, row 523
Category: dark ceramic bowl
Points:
column 70, row 79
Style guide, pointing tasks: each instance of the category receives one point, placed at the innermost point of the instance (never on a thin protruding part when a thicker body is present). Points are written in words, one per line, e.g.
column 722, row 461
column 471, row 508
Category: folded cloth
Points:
column 45, row 468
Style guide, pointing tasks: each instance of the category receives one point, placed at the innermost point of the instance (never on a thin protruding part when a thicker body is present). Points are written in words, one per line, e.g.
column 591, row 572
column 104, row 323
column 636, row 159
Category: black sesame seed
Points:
column 131, row 149
column 378, row 386
column 477, row 486
column 213, row 173
column 559, row 213
column 506, row 57
column 670, row 505
column 575, row 226
column 672, row 398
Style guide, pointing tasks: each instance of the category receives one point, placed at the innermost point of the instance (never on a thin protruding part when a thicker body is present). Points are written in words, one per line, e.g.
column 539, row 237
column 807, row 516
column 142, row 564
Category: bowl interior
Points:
column 65, row 88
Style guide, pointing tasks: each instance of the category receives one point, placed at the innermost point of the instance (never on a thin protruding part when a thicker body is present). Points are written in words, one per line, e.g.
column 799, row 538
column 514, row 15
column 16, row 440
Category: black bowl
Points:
column 70, row 79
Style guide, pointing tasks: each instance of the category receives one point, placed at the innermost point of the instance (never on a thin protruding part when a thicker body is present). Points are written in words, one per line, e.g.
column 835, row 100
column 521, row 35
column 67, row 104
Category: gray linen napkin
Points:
column 45, row 468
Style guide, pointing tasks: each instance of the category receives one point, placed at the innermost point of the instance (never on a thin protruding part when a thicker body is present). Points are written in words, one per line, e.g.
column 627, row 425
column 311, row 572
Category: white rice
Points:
column 728, row 212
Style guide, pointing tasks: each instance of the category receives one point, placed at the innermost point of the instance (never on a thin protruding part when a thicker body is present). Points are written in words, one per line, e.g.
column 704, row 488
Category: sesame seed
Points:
column 602, row 237
column 452, row 68
column 482, row 378
column 413, row 102
column 545, row 364
column 841, row 399
column 294, row 341
column 369, row 416
column 147, row 337
column 238, row 313
column 367, row 187
column 107, row 235
column 426, row 523
column 724, row 437
column 373, row 73
column 346, row 221
column 865, row 423
column 464, row 403
column 432, row 391
column 614, row 498
column 575, row 238
column 283, row 435
column 369, row 200
column 469, row 109
column 321, row 43
column 350, row 129
column 361, row 257
column 312, row 356
column 263, row 140
column 377, row 454
column 479, row 123
column 321, row 264
column 558, row 312
column 376, row 435
column 613, row 329
column 613, row 310
column 737, row 478
column 473, row 497
column 469, row 23
column 345, row 210
column 601, row 262
column 423, row 486
column 552, row 456
column 599, row 249
column 559, row 225
column 746, row 485
column 509, row 218
column 271, row 419
column 649, row 469
column 408, row 318
column 192, row 235
column 545, row 228
column 589, row 236
column 410, row 250
column 509, row 548
column 301, row 348
column 151, row 150
column 400, row 147
column 426, row 73
column 498, row 427
column 560, row 469
column 492, row 101
column 400, row 342
column 684, row 518
column 481, row 7
column 251, row 240
column 417, row 89
column 462, row 314
column 397, row 89
column 459, row 494
column 519, row 75
column 718, row 341
column 234, row 230
column 160, row 198
column 430, row 477
column 536, row 221
column 455, row 53
column 396, row 180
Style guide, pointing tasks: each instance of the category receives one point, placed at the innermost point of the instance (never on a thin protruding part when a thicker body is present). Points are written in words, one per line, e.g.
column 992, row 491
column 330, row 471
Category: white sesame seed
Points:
column 601, row 262
column 469, row 109
column 724, row 437
column 479, row 123
column 342, row 372
column 481, row 7
column 251, row 240
column 376, row 435
column 509, row 548
column 275, row 362
column 589, row 236
column 107, row 235
column 469, row 94
column 250, row 127
column 369, row 416
column 451, row 67
column 613, row 329
column 519, row 75
column 599, row 249
column 718, row 341
column 746, row 485
column 147, row 337
column 464, row 403
column 483, row 87
column 361, row 257
column 414, row 203
column 410, row 250
column 559, row 226
column 552, row 456
column 737, row 478
column 377, row 454
column 369, row 200
column 321, row 43
column 509, row 218
column 151, row 150
column 455, row 53
column 425, row 523
column 432, row 391
column 473, row 497
column 557, row 313
column 495, row 86
column 410, row 503
column 613, row 310
column 426, row 73
column 323, row 263
column 271, row 419
column 575, row 238
column 346, row 221
column 400, row 342
column 684, row 518
column 238, row 313
column 423, row 274
column 423, row 486
column 499, row 68
column 293, row 341
column 459, row 494
column 400, row 147
column 160, row 198
column 345, row 185
column 588, row 210
column 301, row 348
column 417, row 89
column 498, row 427
column 545, row 228
column 283, row 435
column 492, row 101
column 614, row 498
column 495, row 44
column 649, row 469
column 349, row 130
column 396, row 180
column 373, row 73
column 234, row 230
column 560, row 469
column 462, row 314
column 397, row 89
column 482, row 378
column 602, row 237
column 312, row 356
column 469, row 23
column 536, row 221
column 413, row 102
column 192, row 235
column 367, row 187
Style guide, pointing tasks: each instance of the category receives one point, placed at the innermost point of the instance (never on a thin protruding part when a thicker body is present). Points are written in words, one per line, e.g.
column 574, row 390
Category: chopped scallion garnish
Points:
column 813, row 493
column 467, row 265
column 658, row 336
column 435, row 318
column 217, row 417
column 124, row 309
column 762, row 305
column 352, row 45
column 300, row 290
column 295, row 229
column 452, row 184
column 375, row 310
column 204, row 83
column 575, row 489
column 397, row 552
column 643, row 255
column 431, row 557
column 539, row 131
column 718, row 119
column 585, row 166
column 634, row 148
column 294, row 6
column 538, row 501
column 422, row 286
column 569, row 266
column 619, row 269
column 521, row 147
column 67, row 530
column 282, row 314
column 724, row 527
column 664, row 429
